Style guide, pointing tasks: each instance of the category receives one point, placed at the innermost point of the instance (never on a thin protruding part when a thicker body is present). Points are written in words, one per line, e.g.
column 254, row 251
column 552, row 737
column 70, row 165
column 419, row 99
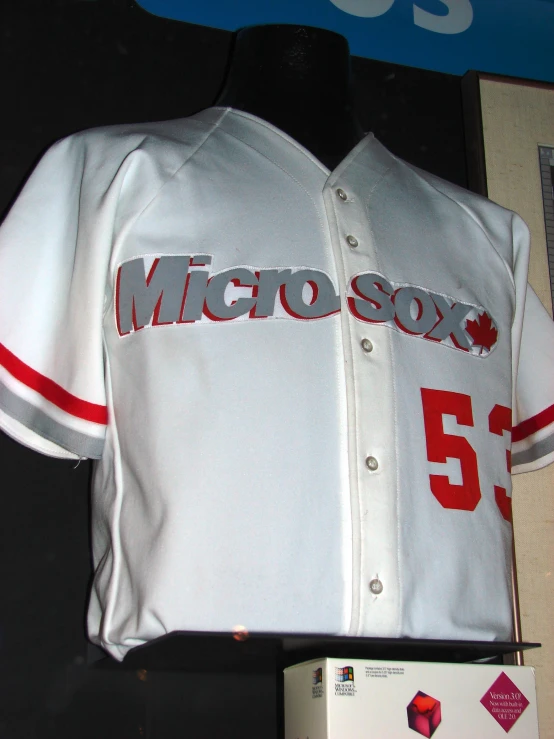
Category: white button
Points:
column 376, row 586
column 342, row 195
column 367, row 346
column 371, row 463
column 352, row 241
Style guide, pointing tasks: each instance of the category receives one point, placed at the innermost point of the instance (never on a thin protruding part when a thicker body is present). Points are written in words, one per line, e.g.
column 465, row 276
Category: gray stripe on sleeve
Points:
column 537, row 451
column 38, row 421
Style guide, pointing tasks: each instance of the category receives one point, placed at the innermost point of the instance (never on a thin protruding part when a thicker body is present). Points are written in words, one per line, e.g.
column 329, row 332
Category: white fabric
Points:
column 231, row 485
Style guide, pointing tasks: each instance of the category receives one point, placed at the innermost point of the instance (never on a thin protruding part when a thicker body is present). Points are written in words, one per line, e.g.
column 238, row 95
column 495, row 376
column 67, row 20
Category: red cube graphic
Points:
column 424, row 714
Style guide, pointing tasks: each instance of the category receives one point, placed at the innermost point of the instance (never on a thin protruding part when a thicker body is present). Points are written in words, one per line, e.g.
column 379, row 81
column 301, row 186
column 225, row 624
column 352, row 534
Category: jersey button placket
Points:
column 370, row 443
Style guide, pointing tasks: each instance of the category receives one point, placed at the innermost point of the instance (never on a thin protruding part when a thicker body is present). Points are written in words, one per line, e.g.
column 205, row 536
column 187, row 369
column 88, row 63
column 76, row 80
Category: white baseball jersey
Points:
column 299, row 385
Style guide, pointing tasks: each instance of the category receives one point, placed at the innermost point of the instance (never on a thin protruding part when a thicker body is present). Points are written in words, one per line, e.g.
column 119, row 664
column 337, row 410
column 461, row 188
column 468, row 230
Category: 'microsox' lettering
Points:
column 180, row 289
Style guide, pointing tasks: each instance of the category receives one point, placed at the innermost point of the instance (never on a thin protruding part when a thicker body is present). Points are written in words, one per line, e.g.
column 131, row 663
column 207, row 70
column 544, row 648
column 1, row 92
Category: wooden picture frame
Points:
column 509, row 128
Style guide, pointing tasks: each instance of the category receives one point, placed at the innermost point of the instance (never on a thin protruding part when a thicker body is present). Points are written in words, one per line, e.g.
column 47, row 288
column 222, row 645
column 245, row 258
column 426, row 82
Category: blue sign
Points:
column 510, row 37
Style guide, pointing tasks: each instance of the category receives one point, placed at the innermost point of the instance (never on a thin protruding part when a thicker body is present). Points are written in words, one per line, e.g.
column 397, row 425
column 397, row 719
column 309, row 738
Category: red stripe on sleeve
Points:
column 534, row 424
column 51, row 391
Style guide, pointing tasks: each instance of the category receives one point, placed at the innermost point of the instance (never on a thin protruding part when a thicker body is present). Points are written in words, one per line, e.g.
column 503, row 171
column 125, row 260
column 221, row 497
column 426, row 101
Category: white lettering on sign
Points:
column 364, row 8
column 457, row 20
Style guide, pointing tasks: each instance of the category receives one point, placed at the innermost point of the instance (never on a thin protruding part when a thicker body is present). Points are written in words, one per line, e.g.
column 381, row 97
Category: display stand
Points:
column 261, row 656
column 217, row 652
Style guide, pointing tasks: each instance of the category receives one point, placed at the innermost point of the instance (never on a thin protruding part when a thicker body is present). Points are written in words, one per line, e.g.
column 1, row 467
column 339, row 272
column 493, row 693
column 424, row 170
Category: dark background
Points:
column 66, row 65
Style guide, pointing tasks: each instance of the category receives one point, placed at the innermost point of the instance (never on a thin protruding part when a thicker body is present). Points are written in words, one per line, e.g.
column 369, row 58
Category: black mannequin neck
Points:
column 298, row 79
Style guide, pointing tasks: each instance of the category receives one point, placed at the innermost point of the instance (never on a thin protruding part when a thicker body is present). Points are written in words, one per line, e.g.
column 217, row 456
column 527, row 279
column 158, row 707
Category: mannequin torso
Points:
column 298, row 79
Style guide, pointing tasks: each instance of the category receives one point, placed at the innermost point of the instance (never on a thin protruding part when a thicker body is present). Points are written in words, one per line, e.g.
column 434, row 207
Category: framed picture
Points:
column 509, row 125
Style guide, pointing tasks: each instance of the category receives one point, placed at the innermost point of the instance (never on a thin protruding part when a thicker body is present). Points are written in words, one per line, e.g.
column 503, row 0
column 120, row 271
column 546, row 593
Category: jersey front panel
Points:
column 444, row 392
column 247, row 498
column 304, row 380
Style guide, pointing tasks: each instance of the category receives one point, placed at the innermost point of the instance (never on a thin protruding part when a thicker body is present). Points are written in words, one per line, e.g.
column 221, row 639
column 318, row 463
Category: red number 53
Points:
column 440, row 446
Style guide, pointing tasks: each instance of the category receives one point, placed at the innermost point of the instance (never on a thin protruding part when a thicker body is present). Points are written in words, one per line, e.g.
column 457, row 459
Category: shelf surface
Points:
column 227, row 652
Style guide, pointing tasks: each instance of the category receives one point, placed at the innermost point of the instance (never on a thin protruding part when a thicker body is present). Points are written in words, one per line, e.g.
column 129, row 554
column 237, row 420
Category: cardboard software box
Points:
column 367, row 699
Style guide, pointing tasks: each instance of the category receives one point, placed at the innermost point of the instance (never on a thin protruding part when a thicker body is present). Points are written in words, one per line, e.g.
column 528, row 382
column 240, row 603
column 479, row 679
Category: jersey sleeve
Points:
column 52, row 287
column 533, row 431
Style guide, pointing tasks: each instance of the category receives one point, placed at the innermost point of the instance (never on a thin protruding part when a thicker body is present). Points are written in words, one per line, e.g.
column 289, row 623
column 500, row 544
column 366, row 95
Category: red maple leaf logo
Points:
column 483, row 332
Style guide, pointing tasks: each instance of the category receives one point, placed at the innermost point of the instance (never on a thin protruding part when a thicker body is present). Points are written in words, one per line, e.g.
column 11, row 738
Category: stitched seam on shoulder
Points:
column 180, row 167
column 474, row 219
column 378, row 182
column 137, row 215
column 276, row 164
column 282, row 136
column 368, row 214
